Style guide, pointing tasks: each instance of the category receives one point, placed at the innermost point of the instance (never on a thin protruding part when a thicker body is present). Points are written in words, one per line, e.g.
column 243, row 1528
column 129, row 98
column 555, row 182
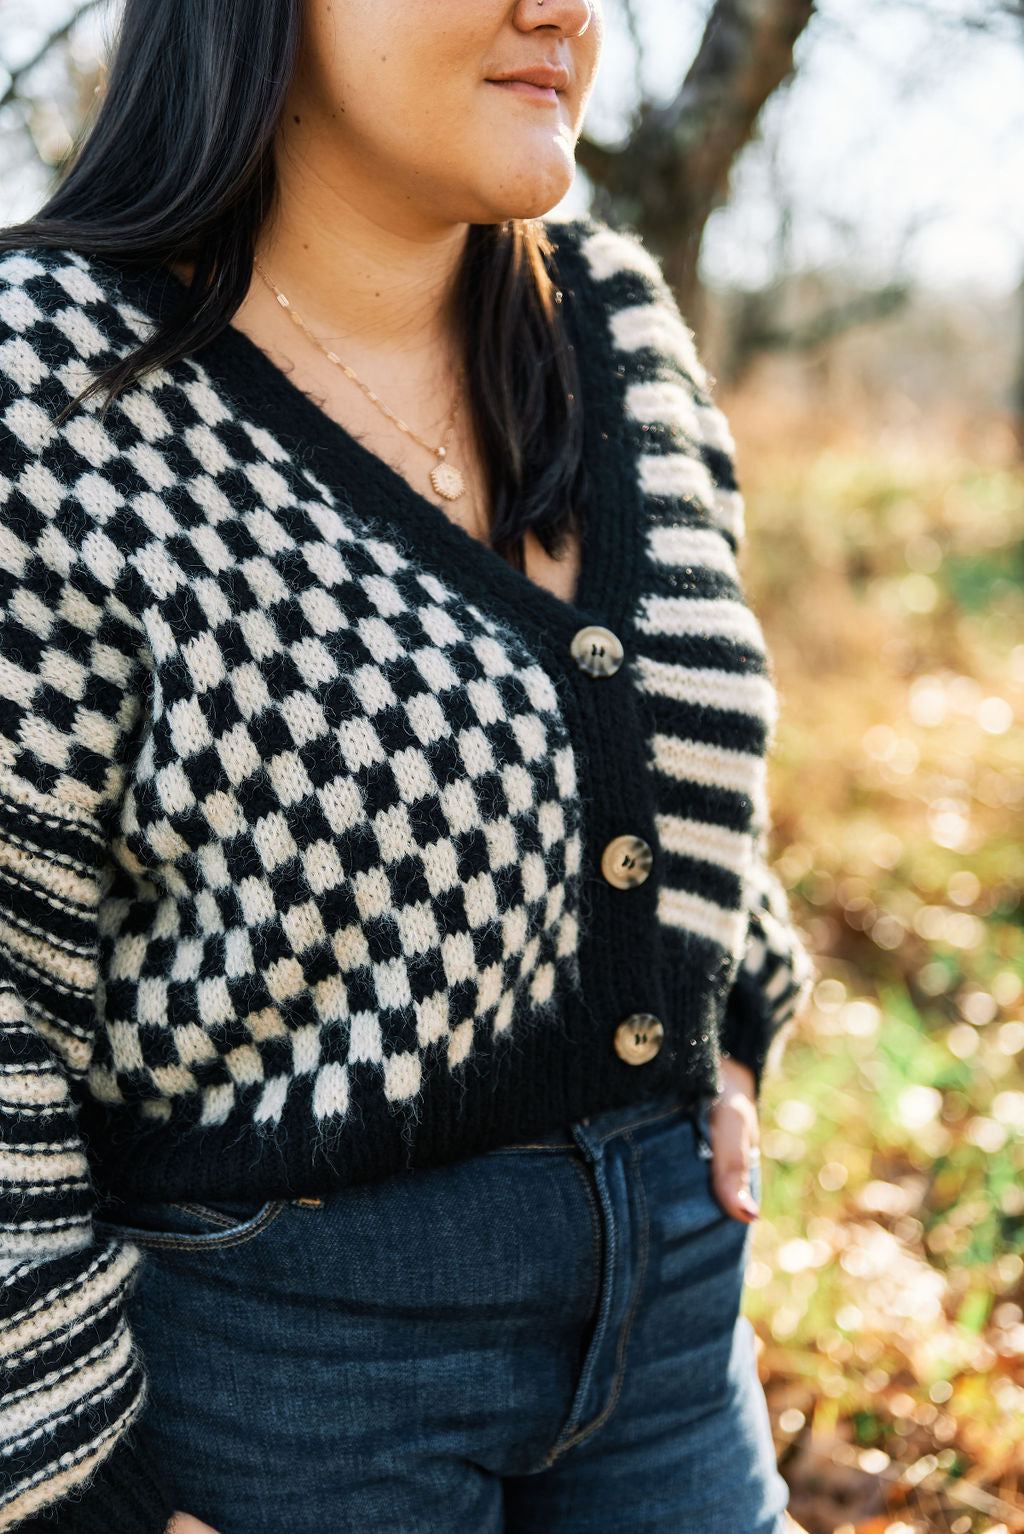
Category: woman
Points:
column 389, row 959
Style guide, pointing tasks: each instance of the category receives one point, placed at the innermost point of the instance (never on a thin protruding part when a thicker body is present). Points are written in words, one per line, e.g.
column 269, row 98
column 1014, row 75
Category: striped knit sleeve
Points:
column 775, row 973
column 689, row 455
column 774, row 977
column 71, row 690
column 773, row 980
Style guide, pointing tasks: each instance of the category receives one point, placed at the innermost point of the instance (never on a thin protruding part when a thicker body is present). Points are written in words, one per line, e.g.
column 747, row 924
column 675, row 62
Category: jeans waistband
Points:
column 613, row 1121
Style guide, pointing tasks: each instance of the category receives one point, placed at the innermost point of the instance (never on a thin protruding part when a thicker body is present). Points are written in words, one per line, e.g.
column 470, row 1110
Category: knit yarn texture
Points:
column 303, row 798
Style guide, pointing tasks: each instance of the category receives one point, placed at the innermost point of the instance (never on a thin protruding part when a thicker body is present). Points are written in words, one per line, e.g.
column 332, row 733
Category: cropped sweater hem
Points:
column 284, row 1161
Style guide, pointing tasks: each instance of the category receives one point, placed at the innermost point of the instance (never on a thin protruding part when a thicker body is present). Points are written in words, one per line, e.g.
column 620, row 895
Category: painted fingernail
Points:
column 746, row 1202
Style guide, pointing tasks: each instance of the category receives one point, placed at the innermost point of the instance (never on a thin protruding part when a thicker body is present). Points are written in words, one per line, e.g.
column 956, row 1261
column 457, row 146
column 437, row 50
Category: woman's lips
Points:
column 524, row 88
column 539, row 81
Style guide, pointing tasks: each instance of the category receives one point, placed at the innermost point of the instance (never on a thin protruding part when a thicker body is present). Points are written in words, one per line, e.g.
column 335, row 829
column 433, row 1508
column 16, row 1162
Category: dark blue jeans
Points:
column 545, row 1339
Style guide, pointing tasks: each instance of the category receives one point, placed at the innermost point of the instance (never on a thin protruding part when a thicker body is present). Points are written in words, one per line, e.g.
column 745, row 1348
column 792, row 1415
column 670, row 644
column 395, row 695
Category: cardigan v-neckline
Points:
column 357, row 476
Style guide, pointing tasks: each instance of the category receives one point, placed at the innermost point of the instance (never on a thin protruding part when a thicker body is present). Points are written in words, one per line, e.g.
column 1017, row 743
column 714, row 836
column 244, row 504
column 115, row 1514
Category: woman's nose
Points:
column 572, row 17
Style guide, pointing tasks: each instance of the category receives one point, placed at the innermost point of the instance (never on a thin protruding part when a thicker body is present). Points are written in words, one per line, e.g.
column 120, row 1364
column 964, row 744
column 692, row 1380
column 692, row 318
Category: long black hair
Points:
column 178, row 165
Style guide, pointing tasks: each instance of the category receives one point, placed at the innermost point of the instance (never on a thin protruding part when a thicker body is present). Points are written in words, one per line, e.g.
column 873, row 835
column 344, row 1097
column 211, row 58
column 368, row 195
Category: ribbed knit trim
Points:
column 126, row 1495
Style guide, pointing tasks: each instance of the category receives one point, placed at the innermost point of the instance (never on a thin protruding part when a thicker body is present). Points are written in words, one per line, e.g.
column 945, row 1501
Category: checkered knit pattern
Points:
column 300, row 829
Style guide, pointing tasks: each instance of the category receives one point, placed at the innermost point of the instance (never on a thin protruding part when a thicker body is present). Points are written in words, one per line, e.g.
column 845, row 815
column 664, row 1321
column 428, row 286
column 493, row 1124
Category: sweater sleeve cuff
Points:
column 746, row 1032
column 126, row 1494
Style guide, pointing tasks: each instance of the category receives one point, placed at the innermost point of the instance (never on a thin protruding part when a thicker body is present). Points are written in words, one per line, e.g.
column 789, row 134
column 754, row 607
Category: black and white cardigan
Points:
column 303, row 797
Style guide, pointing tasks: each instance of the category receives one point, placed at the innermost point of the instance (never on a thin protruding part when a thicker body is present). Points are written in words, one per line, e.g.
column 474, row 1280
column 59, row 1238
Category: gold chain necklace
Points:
column 446, row 479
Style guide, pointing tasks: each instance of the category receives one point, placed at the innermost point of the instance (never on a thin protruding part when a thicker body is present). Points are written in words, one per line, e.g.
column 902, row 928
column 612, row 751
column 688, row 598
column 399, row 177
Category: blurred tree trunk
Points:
column 755, row 325
column 673, row 170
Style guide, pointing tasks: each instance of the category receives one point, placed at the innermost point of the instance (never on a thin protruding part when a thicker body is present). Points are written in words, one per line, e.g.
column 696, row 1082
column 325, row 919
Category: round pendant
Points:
column 447, row 481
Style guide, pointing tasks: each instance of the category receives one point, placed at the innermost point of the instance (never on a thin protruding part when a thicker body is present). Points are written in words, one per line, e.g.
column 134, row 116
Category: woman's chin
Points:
column 530, row 195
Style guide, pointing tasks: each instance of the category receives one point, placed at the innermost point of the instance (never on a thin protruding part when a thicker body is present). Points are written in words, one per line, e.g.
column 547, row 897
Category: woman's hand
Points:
column 184, row 1523
column 735, row 1137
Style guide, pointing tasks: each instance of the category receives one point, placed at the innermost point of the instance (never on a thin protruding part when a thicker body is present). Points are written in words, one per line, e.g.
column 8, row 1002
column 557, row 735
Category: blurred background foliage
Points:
column 886, row 1285
column 834, row 189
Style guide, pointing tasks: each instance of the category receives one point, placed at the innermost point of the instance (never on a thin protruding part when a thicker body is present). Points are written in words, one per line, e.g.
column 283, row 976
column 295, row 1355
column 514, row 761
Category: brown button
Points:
column 626, row 861
column 638, row 1039
column 597, row 650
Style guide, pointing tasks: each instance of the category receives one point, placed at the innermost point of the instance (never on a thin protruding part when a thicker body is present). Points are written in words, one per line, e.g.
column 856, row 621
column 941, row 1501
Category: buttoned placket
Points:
column 627, row 859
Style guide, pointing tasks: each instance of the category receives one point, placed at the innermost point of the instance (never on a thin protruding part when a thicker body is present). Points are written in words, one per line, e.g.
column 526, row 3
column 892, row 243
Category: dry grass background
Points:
column 886, row 1286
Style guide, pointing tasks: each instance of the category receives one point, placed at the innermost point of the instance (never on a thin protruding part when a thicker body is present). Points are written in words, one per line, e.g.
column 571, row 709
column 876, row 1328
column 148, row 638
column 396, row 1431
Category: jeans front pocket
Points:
column 700, row 1117
column 186, row 1226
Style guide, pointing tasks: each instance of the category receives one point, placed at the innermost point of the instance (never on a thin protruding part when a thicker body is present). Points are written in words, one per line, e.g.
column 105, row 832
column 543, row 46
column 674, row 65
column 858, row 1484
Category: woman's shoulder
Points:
column 64, row 317
column 609, row 252
column 624, row 280
column 59, row 306
column 39, row 283
column 688, row 449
